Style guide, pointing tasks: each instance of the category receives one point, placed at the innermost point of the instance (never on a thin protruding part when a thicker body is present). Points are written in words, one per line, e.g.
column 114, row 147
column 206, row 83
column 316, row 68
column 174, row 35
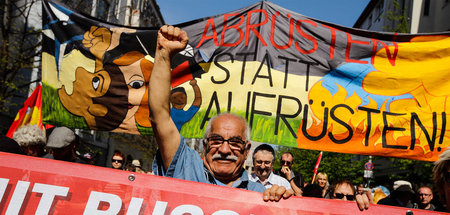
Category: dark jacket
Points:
column 298, row 178
column 394, row 202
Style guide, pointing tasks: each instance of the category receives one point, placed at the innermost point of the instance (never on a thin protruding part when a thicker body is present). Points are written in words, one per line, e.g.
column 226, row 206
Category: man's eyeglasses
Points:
column 285, row 162
column 118, row 161
column 341, row 196
column 424, row 194
column 235, row 143
column 260, row 162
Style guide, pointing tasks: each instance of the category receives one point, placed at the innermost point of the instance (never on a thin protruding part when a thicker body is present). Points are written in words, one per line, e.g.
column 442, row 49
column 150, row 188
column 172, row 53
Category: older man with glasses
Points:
column 425, row 196
column 263, row 158
column 226, row 140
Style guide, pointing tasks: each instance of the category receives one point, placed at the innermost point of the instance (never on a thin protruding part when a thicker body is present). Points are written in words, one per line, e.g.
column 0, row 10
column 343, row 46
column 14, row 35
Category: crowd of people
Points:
column 402, row 194
column 120, row 162
column 60, row 143
column 226, row 145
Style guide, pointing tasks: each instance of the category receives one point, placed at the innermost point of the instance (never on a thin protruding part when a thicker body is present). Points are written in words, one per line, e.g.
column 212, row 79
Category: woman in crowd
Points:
column 322, row 181
column 117, row 160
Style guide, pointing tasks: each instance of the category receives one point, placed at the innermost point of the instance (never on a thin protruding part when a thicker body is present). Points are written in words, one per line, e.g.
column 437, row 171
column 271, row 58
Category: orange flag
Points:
column 31, row 113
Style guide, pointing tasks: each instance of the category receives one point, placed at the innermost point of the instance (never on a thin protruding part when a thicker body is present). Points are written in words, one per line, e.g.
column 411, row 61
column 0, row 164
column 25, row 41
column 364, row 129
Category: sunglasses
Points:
column 285, row 162
column 114, row 160
column 341, row 196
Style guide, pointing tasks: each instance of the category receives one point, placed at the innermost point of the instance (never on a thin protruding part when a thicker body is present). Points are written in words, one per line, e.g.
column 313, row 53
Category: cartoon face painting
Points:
column 80, row 101
column 136, row 70
column 99, row 96
column 112, row 92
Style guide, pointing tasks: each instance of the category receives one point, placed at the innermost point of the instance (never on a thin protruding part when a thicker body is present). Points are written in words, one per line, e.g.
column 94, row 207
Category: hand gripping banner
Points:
column 30, row 185
column 299, row 82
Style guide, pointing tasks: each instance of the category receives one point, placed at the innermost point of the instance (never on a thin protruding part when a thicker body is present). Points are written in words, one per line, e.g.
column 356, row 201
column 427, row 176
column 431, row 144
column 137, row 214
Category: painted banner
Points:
column 300, row 82
column 30, row 113
column 30, row 185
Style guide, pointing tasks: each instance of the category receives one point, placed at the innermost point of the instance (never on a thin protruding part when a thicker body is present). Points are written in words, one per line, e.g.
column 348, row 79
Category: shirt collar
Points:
column 268, row 181
column 243, row 179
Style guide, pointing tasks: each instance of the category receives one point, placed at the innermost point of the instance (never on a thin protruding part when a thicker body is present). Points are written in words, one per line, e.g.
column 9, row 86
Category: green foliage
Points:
column 335, row 165
column 417, row 172
column 399, row 18
column 18, row 47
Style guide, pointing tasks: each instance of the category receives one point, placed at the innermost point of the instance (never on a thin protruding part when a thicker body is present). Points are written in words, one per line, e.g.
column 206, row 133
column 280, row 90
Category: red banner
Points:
column 31, row 185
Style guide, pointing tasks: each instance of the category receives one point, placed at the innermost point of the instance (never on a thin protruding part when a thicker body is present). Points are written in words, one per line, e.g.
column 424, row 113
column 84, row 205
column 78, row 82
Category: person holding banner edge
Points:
column 174, row 158
column 263, row 159
column 223, row 163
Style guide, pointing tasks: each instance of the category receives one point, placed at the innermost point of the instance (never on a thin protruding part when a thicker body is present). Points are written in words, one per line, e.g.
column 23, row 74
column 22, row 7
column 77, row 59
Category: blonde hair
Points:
column 321, row 174
column 29, row 135
column 441, row 168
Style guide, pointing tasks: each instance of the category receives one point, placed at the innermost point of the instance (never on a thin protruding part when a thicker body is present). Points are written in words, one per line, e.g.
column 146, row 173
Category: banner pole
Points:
column 316, row 167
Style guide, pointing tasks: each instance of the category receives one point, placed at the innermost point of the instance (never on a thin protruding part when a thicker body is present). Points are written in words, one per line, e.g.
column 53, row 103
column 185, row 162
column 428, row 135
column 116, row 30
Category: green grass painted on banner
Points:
column 54, row 113
column 263, row 129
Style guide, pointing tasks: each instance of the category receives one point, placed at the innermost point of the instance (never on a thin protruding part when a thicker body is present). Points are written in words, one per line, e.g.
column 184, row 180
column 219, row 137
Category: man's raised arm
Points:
column 170, row 41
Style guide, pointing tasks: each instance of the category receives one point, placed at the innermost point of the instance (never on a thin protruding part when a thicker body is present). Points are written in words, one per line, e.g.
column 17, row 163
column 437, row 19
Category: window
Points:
column 379, row 10
column 426, row 8
column 102, row 10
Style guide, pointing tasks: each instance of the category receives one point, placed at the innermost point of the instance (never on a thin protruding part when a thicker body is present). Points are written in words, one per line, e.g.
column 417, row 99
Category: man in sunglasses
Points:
column 294, row 178
column 343, row 190
column 226, row 140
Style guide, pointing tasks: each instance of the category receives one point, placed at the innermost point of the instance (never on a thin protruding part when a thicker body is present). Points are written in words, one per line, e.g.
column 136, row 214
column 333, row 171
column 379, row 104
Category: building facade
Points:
column 421, row 16
column 136, row 13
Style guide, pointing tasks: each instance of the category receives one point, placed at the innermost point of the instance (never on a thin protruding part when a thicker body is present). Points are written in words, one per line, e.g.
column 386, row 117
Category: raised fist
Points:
column 97, row 39
column 171, row 39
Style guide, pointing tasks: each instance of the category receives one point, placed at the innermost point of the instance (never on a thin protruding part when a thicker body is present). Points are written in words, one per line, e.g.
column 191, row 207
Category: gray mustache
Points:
column 223, row 157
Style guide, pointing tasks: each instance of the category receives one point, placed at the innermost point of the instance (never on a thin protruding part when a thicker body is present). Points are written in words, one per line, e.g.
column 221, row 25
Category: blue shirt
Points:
column 187, row 165
column 179, row 117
